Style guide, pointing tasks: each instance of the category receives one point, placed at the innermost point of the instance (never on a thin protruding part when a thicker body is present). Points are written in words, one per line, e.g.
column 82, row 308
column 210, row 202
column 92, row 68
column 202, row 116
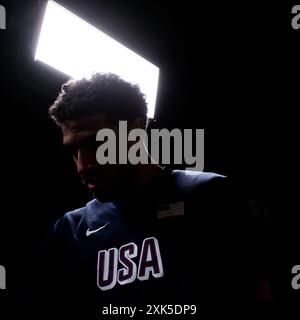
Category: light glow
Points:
column 78, row 49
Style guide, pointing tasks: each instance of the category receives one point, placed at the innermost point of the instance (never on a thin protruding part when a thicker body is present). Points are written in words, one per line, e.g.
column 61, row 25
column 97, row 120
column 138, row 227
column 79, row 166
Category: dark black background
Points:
column 230, row 68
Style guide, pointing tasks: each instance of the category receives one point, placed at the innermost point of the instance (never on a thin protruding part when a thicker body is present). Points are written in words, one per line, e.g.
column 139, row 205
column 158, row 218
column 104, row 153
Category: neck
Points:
column 145, row 174
column 134, row 181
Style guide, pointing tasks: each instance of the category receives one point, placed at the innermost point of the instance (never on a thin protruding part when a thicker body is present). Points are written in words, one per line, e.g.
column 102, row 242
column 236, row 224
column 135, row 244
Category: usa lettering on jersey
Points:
column 149, row 262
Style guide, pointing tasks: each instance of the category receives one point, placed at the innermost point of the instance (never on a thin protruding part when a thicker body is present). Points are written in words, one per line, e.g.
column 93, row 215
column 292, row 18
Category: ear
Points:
column 139, row 123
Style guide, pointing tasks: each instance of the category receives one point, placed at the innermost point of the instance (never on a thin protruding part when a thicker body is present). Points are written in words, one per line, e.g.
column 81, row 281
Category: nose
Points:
column 84, row 161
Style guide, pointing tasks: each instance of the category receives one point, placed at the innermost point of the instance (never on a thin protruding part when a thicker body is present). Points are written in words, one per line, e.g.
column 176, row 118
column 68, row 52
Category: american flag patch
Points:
column 171, row 209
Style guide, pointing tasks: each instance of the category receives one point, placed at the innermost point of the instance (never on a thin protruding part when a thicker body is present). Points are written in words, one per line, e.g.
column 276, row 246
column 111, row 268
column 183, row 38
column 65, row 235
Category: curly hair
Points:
column 104, row 93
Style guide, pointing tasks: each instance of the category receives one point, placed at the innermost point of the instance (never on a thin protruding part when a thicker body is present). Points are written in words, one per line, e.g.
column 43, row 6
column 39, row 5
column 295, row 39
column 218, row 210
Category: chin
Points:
column 105, row 195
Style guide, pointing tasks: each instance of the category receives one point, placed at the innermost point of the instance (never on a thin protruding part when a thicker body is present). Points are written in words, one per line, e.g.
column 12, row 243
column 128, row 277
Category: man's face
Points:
column 79, row 136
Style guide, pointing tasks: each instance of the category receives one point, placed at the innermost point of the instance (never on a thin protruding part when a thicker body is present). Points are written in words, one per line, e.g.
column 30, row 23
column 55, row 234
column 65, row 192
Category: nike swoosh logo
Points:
column 89, row 232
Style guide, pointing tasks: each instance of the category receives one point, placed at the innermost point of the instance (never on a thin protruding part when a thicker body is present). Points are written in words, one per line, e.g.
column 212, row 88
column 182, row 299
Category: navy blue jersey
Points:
column 182, row 240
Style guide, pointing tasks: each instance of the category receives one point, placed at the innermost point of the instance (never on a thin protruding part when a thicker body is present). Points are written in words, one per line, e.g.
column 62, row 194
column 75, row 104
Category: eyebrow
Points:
column 89, row 138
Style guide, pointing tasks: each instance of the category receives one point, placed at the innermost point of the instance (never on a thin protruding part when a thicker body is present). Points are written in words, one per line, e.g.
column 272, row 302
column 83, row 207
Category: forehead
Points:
column 76, row 130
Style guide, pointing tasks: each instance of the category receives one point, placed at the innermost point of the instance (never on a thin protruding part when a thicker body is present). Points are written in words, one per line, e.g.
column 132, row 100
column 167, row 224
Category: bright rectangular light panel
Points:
column 76, row 48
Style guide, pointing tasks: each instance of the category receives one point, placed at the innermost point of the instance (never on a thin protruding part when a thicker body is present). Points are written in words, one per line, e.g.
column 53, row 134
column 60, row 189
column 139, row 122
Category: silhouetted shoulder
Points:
column 189, row 181
column 68, row 224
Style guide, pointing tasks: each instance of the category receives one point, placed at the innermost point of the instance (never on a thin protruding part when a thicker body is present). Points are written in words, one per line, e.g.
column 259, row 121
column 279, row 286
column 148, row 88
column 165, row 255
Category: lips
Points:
column 90, row 183
column 91, row 186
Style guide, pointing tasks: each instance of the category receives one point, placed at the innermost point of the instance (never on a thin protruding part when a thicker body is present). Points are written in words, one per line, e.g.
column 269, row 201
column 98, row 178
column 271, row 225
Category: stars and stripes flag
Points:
column 171, row 209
